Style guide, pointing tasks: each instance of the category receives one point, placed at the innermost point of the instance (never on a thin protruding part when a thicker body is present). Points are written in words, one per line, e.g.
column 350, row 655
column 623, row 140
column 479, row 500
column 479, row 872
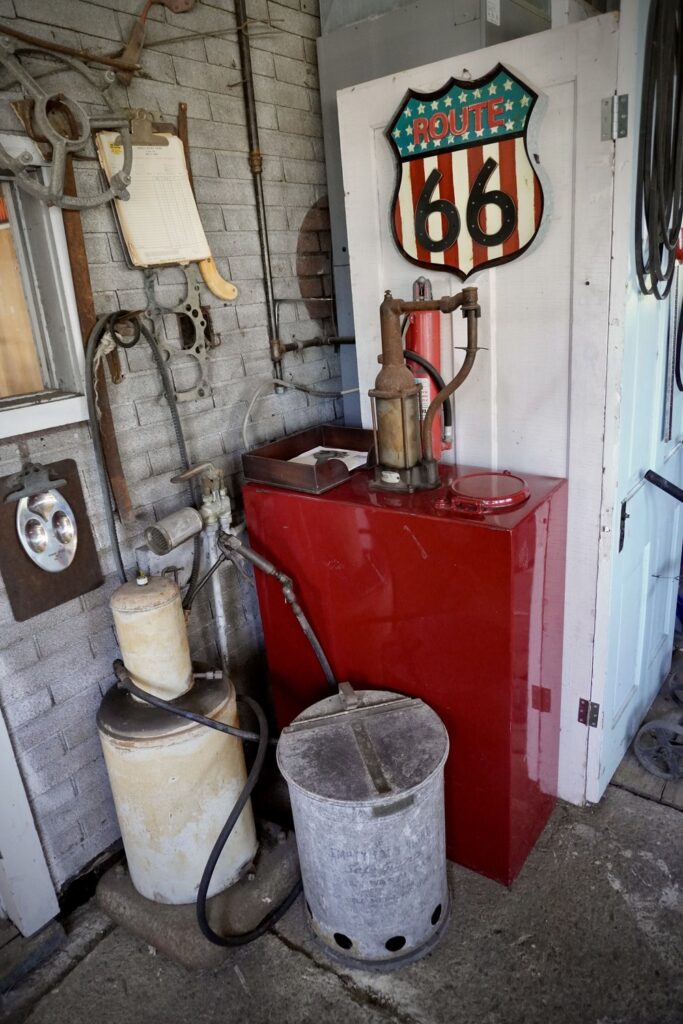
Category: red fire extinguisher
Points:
column 423, row 336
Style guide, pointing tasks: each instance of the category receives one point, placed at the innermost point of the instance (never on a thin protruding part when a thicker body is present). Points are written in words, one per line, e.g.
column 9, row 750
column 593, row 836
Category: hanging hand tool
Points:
column 63, row 145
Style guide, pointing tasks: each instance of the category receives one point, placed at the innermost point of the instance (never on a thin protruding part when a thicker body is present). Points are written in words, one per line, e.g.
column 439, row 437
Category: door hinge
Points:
column 589, row 713
column 614, row 118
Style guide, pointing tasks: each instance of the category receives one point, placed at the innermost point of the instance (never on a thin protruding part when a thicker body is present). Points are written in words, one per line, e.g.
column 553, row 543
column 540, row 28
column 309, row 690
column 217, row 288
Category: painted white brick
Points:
column 298, row 122
column 297, row 23
column 278, row 143
column 75, row 15
column 294, row 71
column 283, row 94
column 306, row 171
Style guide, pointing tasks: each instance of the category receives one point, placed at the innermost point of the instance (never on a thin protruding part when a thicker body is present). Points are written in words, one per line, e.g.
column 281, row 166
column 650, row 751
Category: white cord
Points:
column 106, row 345
column 271, row 382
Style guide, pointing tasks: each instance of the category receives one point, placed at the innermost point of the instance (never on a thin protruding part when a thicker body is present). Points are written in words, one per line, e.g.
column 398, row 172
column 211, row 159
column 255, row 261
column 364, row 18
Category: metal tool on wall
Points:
column 46, row 524
column 189, row 308
column 48, row 553
column 149, row 251
column 53, row 193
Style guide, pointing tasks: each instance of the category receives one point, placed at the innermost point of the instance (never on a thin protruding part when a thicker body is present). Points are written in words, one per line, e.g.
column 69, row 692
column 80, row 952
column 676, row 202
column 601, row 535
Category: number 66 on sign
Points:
column 467, row 196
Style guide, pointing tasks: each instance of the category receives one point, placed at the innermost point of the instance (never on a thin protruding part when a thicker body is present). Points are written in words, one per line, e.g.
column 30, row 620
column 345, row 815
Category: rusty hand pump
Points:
column 405, row 460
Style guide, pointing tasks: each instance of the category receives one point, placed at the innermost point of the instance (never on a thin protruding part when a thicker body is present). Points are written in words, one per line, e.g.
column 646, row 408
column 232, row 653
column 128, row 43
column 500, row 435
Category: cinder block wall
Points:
column 55, row 667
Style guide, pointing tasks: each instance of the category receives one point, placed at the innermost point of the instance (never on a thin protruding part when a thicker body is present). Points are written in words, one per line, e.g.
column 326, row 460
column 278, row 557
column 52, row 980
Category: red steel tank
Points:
column 455, row 598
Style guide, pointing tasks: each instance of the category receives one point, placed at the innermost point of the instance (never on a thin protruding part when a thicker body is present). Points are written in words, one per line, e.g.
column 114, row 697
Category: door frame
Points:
column 27, row 895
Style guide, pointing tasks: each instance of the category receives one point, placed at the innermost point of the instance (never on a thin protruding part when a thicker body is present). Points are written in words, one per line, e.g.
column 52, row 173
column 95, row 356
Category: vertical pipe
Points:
column 256, row 166
column 211, row 531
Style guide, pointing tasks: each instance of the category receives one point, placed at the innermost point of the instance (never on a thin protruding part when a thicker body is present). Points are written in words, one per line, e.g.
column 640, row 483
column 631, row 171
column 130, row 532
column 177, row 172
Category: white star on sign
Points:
column 466, row 135
column 409, row 130
column 479, row 133
column 451, row 140
column 435, row 105
column 396, row 132
column 524, row 101
column 411, row 147
column 448, row 102
column 409, row 112
column 462, row 97
column 421, row 108
column 509, row 125
column 437, row 142
column 492, row 88
column 508, row 104
column 477, row 93
column 507, row 84
column 423, row 145
column 494, row 128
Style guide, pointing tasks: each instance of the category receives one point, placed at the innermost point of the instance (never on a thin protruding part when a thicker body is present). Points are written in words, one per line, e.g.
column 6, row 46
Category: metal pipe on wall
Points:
column 256, row 167
column 213, row 554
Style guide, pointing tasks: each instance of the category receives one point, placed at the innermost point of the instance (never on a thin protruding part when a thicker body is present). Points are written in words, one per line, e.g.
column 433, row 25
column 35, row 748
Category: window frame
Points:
column 57, row 331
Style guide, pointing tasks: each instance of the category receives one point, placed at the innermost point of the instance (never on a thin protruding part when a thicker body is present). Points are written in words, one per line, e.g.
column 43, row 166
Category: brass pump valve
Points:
column 403, row 444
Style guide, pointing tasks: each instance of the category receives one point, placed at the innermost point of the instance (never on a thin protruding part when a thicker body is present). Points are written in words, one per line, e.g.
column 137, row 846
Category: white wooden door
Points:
column 638, row 573
column 536, row 398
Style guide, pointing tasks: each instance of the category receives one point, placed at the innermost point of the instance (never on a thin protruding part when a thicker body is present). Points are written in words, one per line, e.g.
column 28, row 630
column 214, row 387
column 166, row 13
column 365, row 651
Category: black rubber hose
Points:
column 191, row 594
column 679, row 345
column 437, row 380
column 169, row 392
column 127, row 683
column 271, row 918
column 260, row 737
column 109, row 323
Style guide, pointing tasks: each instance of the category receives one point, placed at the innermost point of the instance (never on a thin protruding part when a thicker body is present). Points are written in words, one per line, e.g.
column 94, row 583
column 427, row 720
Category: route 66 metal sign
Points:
column 467, row 196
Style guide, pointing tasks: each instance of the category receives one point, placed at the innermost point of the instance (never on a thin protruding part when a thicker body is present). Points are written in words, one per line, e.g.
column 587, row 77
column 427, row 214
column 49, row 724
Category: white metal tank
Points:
column 152, row 634
column 174, row 783
column 365, row 776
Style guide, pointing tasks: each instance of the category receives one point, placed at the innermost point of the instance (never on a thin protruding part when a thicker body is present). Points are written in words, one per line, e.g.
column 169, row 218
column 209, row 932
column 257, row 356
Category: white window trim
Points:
column 41, row 412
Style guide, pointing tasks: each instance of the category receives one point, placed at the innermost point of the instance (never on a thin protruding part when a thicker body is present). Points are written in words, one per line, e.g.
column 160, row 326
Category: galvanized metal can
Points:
column 174, row 783
column 365, row 776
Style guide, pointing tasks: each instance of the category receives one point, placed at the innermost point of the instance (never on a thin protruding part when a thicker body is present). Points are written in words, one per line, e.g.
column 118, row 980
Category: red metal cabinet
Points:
column 465, row 613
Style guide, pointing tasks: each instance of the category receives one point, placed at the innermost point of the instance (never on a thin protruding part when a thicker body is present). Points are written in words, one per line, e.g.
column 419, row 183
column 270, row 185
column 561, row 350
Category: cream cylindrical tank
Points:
column 174, row 783
column 150, row 627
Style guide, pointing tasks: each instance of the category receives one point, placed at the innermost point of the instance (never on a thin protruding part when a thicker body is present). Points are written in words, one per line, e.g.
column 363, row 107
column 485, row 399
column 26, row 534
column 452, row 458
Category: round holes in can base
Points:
column 343, row 940
column 395, row 943
column 437, row 914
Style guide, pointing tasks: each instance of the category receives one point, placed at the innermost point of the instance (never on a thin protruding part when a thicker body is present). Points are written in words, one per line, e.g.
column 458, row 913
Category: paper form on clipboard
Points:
column 160, row 222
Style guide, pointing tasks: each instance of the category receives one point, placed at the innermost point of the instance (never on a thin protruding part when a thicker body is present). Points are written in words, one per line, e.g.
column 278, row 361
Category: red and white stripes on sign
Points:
column 459, row 169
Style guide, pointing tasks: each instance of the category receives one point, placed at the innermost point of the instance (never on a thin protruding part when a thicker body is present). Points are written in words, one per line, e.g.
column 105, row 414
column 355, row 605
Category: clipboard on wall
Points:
column 159, row 224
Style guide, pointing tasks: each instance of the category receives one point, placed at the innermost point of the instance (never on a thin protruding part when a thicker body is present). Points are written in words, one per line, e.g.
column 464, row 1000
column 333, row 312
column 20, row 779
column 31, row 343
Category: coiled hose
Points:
column 659, row 176
column 108, row 324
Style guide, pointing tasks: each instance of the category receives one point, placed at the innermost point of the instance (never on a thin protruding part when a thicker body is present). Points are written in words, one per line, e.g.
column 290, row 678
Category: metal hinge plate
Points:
column 589, row 713
column 614, row 118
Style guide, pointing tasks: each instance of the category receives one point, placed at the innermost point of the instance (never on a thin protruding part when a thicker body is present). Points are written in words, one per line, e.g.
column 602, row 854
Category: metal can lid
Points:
column 369, row 747
column 482, row 493
column 131, row 598
column 122, row 717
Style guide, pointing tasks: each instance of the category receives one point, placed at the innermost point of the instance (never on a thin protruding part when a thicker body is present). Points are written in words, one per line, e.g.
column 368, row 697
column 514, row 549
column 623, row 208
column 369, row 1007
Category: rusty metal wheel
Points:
column 659, row 748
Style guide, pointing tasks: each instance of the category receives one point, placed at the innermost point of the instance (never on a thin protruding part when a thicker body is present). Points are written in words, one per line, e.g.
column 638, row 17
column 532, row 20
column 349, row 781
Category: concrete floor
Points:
column 591, row 933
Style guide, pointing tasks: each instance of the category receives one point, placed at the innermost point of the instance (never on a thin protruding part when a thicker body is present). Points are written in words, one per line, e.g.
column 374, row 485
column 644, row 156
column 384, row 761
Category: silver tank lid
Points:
column 362, row 746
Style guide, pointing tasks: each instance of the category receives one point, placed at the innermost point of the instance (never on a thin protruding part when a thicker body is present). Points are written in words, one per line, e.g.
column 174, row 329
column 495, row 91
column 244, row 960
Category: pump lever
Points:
column 207, row 468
